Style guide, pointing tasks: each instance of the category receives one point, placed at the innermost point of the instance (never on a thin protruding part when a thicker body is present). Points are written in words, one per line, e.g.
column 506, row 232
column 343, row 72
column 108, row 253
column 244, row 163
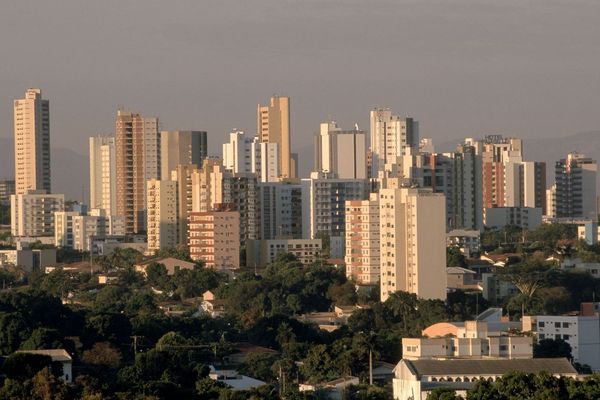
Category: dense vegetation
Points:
column 126, row 347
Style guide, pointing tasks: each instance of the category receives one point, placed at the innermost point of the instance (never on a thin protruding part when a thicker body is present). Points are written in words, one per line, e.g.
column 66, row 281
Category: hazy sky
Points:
column 462, row 68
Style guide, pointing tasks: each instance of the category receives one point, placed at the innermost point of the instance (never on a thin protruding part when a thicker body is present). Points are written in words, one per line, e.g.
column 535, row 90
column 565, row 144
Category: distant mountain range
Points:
column 70, row 173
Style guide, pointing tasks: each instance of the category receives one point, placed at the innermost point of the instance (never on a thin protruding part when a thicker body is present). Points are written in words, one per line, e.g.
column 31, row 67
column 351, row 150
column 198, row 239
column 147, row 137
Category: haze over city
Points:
column 463, row 68
column 301, row 200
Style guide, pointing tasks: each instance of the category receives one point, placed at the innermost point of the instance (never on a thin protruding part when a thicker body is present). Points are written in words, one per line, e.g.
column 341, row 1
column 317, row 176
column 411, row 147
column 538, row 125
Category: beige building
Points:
column 391, row 138
column 7, row 188
column 362, row 241
column 412, row 242
column 207, row 185
column 103, row 181
column 471, row 340
column 137, row 155
column 273, row 126
column 214, row 237
column 162, row 214
column 183, row 176
column 32, row 142
column 32, row 213
column 341, row 152
column 181, row 148
column 260, row 253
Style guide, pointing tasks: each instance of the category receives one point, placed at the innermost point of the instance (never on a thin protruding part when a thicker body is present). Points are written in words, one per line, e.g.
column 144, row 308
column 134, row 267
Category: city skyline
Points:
column 515, row 81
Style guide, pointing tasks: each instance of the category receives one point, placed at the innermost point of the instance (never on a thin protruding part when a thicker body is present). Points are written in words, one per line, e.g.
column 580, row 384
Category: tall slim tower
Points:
column 32, row 142
column 103, row 173
column 273, row 126
column 137, row 155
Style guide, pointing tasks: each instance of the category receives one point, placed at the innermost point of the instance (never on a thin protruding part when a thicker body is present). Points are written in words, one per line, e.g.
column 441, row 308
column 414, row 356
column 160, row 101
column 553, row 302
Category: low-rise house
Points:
column 171, row 264
column 29, row 259
column 329, row 320
column 108, row 278
column 333, row 389
column 459, row 278
column 211, row 305
column 415, row 379
column 468, row 241
column 234, row 380
column 57, row 355
column 260, row 253
column 243, row 349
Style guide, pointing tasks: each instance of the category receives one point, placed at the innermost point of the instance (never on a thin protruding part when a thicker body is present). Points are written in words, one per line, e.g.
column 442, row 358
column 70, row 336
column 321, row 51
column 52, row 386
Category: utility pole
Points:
column 370, row 366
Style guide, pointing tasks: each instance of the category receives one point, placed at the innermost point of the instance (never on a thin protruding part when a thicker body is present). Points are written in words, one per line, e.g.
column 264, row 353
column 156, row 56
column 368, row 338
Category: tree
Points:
column 552, row 348
column 443, row 394
column 528, row 277
column 23, row 366
column 455, row 258
column 43, row 338
column 157, row 275
column 104, row 354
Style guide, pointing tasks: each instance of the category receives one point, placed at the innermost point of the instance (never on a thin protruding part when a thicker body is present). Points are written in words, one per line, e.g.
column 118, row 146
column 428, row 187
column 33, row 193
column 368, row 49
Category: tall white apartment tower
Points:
column 32, row 142
column 391, row 138
column 412, row 242
column 103, row 180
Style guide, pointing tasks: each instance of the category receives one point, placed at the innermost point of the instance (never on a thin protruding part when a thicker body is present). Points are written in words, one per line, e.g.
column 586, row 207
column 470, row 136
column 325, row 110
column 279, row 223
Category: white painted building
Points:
column 32, row 213
column 581, row 331
column 103, row 189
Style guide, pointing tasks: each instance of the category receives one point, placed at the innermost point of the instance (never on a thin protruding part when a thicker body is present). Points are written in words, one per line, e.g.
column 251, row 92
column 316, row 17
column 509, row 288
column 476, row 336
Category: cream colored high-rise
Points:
column 207, row 185
column 391, row 138
column 137, row 155
column 183, row 176
column 273, row 126
column 362, row 241
column 103, row 184
column 412, row 242
column 162, row 214
column 32, row 142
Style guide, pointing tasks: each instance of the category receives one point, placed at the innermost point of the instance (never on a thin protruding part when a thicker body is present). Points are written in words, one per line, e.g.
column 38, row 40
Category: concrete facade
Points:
column 32, row 142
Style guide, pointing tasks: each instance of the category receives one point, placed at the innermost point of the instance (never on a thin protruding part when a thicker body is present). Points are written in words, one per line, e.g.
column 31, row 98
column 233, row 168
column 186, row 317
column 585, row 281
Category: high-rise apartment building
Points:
column 162, row 227
column 137, row 155
column 499, row 155
column 63, row 228
column 7, row 189
column 412, row 242
column 576, row 187
column 103, row 175
column 341, row 152
column 32, row 213
column 183, row 176
column 280, row 211
column 273, row 126
column 32, row 142
column 391, row 138
column 249, row 155
column 207, row 185
column 214, row 237
column 181, row 148
column 324, row 199
column 362, row 241
column 241, row 192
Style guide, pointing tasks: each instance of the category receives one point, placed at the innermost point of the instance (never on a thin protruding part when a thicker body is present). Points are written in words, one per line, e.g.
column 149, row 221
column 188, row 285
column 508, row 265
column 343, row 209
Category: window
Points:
column 565, row 324
column 541, row 324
